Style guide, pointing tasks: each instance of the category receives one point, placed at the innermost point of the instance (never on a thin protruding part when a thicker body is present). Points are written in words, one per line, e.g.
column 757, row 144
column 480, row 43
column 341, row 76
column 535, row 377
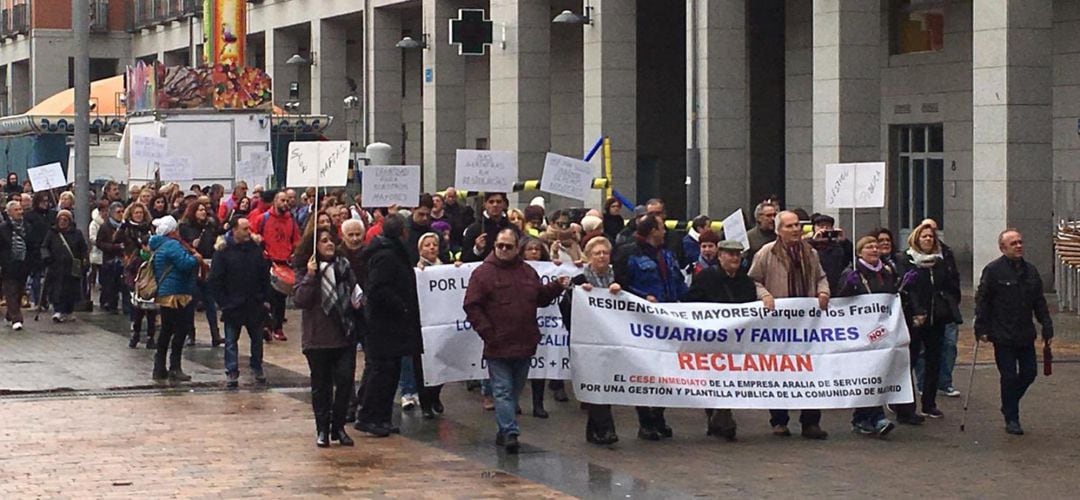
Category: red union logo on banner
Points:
column 877, row 334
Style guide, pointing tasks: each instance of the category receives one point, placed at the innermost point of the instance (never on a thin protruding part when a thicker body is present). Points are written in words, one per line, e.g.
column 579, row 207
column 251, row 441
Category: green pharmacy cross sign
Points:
column 471, row 31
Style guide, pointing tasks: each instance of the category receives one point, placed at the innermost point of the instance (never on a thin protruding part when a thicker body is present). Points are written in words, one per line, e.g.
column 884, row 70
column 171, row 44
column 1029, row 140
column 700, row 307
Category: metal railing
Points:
column 147, row 13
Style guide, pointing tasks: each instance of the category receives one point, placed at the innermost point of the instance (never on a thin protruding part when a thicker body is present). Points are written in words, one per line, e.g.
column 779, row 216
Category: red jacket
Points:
column 280, row 234
column 501, row 304
column 226, row 206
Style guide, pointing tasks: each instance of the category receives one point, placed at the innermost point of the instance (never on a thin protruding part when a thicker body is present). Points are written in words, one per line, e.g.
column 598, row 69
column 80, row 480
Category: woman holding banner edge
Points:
column 871, row 275
column 600, row 428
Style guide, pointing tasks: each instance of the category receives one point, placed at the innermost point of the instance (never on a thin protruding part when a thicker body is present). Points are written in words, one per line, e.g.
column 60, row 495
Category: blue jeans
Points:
column 407, row 381
column 232, row 351
column 948, row 359
column 508, row 378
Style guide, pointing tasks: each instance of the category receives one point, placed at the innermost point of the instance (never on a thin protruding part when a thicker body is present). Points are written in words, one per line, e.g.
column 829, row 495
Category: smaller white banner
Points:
column 565, row 176
column 46, row 177
column 318, row 163
column 176, row 169
column 485, row 171
column 251, row 171
column 452, row 349
column 855, row 185
column 386, row 185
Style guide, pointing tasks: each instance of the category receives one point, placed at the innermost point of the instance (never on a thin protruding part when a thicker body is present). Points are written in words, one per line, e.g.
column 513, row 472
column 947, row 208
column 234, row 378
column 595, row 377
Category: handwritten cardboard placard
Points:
column 324, row 163
column 855, row 185
column 149, row 148
column 386, row 185
column 46, row 177
column 176, row 168
column 565, row 176
column 485, row 171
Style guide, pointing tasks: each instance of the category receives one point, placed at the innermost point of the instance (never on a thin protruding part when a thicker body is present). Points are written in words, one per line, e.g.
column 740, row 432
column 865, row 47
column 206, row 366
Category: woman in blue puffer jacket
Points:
column 175, row 268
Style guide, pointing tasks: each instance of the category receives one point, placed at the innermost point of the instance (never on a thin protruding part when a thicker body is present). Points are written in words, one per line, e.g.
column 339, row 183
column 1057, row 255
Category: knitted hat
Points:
column 440, row 226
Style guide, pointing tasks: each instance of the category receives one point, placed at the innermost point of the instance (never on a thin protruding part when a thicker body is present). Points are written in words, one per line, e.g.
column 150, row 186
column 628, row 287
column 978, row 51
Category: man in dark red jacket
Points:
column 501, row 302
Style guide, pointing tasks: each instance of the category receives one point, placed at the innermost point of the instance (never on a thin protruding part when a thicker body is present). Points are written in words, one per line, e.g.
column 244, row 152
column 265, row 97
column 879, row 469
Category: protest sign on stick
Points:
column 386, row 185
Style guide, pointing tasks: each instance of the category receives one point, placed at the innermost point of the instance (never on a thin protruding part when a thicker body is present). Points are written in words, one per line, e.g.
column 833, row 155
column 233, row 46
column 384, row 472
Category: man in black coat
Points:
column 727, row 285
column 240, row 279
column 393, row 325
column 480, row 236
column 1010, row 293
column 14, row 262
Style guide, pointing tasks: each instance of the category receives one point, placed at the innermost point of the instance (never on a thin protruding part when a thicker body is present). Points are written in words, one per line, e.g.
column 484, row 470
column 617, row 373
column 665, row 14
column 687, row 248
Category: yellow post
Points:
column 607, row 166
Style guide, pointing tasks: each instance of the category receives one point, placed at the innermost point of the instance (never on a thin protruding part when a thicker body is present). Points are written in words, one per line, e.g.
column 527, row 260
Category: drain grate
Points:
column 128, row 392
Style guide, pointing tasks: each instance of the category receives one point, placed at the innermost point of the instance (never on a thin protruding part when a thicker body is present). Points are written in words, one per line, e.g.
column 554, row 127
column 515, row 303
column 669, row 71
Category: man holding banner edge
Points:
column 789, row 267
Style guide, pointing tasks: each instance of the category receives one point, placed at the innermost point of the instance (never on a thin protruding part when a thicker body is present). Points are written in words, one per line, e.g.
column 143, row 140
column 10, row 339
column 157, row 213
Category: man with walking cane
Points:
column 1010, row 293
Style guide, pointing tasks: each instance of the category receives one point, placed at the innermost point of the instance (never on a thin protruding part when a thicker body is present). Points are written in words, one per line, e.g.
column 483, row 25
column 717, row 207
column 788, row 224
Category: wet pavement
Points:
column 110, row 432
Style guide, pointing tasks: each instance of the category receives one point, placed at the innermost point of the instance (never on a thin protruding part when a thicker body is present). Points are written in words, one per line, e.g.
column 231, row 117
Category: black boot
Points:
column 134, row 341
column 215, row 336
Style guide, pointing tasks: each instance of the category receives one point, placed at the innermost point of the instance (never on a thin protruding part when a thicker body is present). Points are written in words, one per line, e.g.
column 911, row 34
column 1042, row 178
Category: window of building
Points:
column 917, row 25
column 918, row 176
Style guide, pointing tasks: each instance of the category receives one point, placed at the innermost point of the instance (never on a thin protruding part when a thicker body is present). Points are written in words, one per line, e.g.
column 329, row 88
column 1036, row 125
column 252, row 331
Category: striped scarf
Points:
column 336, row 284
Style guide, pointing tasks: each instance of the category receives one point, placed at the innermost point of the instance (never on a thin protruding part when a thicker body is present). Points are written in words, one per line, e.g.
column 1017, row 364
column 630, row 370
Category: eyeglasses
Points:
column 504, row 246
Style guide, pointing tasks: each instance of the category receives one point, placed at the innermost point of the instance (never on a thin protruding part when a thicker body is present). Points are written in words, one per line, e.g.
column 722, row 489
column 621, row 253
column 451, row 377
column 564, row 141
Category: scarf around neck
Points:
column 923, row 260
column 336, row 285
column 18, row 240
column 599, row 280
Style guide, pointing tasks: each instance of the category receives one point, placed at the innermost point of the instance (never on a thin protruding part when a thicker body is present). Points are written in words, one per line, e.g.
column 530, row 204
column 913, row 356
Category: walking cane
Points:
column 42, row 299
column 971, row 384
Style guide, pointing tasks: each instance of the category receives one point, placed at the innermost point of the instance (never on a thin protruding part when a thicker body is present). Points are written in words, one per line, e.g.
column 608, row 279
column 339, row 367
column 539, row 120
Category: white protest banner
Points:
column 318, row 163
column 265, row 160
column 176, row 168
column 386, row 185
column 855, row 185
column 149, row 148
column 251, row 171
column 46, row 177
column 735, row 229
column 627, row 351
column 485, row 171
column 565, row 176
column 454, row 352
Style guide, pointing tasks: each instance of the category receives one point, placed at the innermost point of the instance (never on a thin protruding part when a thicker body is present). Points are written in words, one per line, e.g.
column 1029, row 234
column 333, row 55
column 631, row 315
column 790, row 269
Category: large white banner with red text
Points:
column 627, row 351
column 452, row 349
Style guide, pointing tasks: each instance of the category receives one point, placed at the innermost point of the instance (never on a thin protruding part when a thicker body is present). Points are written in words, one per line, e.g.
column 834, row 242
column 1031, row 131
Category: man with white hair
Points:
column 14, row 253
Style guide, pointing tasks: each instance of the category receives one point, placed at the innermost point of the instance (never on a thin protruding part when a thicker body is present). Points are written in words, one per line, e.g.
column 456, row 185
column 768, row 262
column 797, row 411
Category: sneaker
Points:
column 260, row 377
column 1014, row 428
column 407, row 402
column 279, row 335
column 933, row 413
column 883, row 427
column 232, row 380
column 58, row 318
column 951, row 392
column 862, row 427
column 781, row 431
column 488, row 404
column 16, row 326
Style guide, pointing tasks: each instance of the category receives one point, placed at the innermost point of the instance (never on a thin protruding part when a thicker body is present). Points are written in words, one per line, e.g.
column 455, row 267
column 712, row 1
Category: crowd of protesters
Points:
column 241, row 259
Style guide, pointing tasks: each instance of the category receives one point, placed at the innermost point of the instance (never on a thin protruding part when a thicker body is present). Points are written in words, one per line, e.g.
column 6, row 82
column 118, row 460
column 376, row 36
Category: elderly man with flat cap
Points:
column 726, row 284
